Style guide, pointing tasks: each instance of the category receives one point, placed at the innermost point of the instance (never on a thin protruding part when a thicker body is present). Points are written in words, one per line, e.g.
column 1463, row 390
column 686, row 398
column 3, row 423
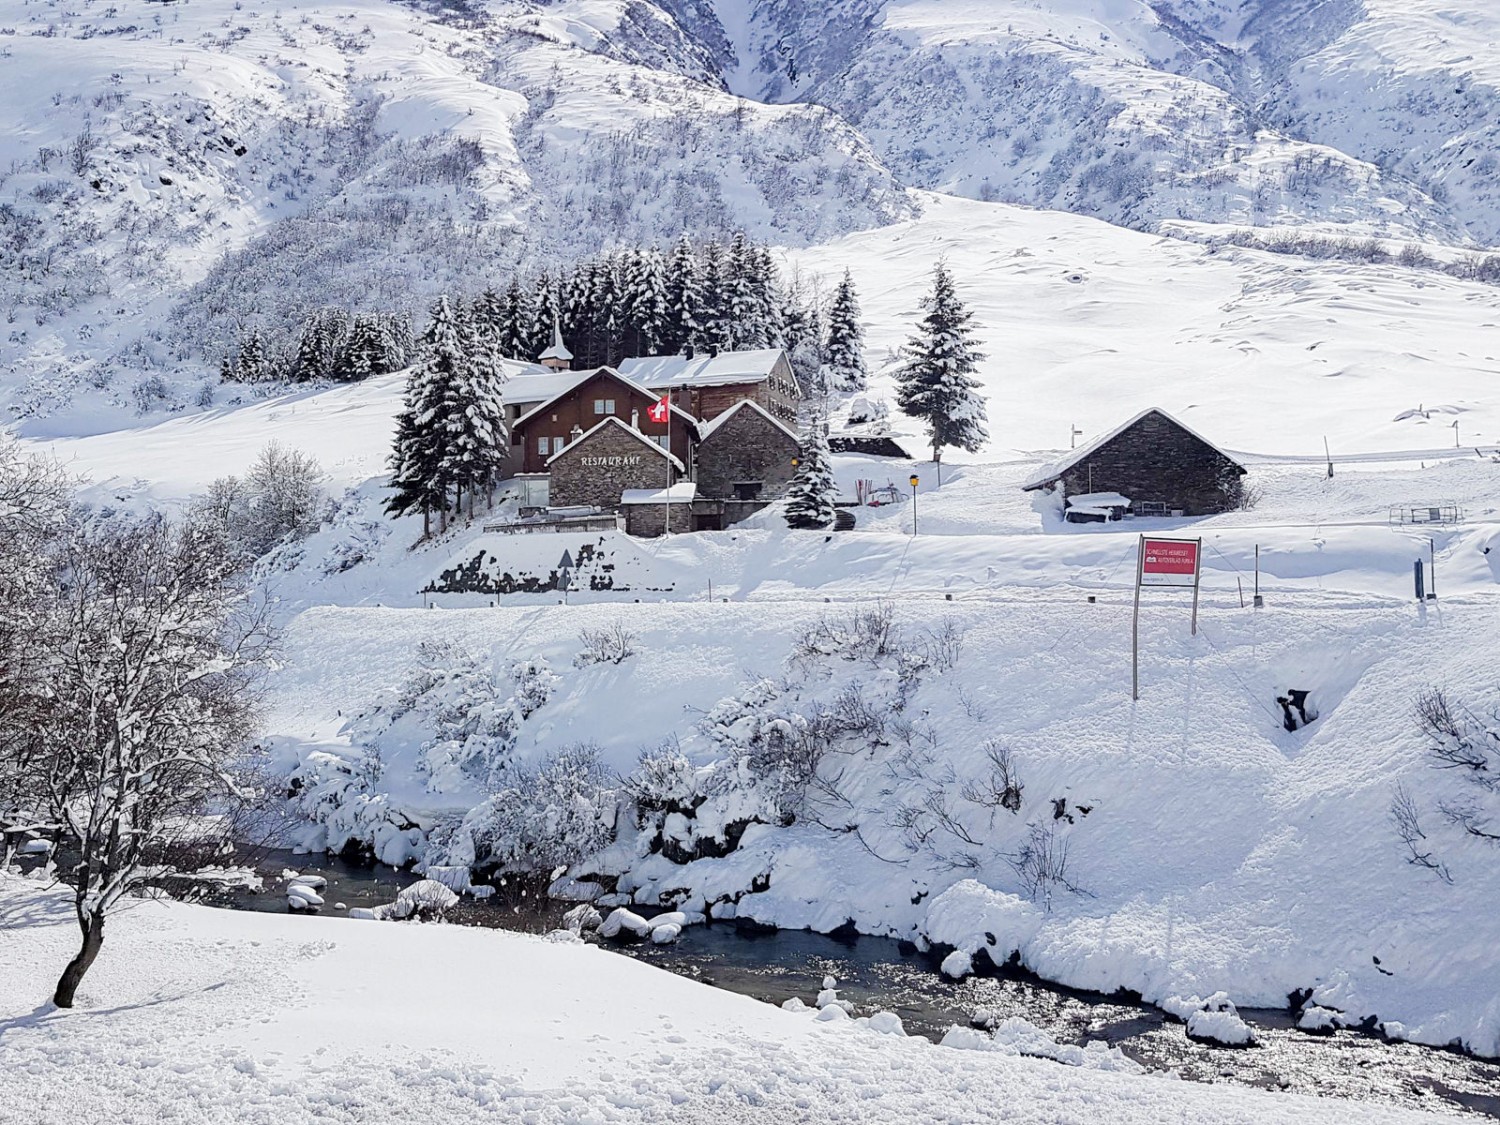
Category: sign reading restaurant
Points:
column 609, row 462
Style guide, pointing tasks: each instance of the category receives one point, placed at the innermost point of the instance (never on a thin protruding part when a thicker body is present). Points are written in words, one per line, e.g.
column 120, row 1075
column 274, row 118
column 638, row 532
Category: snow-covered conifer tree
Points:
column 744, row 313
column 843, row 353
column 681, row 326
column 811, row 496
column 251, row 365
column 422, row 466
column 546, row 314
column 475, row 412
column 713, row 305
column 366, row 352
column 936, row 381
column 513, row 332
column 766, row 287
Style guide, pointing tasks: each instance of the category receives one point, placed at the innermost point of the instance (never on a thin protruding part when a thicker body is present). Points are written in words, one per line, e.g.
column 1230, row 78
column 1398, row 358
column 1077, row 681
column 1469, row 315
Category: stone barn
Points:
column 1152, row 465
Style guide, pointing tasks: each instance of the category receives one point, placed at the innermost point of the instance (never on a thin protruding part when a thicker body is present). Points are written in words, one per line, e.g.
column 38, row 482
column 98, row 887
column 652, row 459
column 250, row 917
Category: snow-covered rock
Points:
column 957, row 965
column 1213, row 1020
column 1317, row 1019
column 621, row 920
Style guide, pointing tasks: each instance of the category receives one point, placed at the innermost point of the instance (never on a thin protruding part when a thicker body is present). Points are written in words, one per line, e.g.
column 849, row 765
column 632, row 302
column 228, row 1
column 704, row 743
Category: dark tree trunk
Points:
column 93, row 939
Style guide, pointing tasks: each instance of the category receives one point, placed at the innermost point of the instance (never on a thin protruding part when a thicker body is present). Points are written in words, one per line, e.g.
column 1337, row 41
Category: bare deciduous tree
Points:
column 143, row 703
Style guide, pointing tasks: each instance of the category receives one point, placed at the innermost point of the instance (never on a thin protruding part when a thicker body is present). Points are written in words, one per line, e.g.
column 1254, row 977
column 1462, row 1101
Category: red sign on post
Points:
column 1162, row 562
column 1169, row 562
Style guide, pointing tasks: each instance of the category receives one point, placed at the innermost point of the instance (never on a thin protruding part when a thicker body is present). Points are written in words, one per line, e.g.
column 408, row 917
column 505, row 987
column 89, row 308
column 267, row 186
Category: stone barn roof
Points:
column 1053, row 472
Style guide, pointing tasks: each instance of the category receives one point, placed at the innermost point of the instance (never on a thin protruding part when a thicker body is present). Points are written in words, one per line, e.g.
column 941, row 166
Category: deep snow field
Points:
column 202, row 1016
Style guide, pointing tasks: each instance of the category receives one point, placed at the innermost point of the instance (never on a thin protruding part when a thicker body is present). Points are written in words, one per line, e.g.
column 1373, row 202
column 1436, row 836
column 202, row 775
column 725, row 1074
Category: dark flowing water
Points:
column 881, row 974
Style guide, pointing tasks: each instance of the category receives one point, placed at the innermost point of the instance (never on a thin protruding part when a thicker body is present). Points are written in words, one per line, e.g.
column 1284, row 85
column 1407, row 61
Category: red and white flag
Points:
column 659, row 411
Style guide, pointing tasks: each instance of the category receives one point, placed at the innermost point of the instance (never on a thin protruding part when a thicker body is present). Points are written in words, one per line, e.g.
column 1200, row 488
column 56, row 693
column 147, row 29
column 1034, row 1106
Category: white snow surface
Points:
column 193, row 1014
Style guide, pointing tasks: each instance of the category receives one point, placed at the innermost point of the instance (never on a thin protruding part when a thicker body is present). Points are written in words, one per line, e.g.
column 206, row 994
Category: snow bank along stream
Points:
column 880, row 974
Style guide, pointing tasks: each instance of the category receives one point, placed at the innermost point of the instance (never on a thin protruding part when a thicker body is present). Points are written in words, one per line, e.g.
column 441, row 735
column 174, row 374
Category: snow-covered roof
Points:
column 701, row 370
column 706, row 428
column 558, row 350
column 571, row 380
column 542, row 384
column 613, row 421
column 680, row 493
column 1049, row 474
column 1099, row 500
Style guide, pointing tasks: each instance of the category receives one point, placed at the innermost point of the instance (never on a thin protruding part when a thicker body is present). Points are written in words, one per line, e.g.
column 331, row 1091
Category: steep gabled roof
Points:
column 706, row 428
column 1077, row 456
column 613, row 421
column 564, row 388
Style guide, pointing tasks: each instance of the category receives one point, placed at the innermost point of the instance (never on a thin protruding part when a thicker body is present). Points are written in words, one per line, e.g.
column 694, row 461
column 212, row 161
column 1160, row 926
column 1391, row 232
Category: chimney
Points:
column 713, row 351
column 635, row 419
column 687, row 351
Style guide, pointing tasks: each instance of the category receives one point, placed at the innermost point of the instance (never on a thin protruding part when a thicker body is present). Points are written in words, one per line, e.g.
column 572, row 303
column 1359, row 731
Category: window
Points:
column 661, row 440
column 604, row 406
column 747, row 489
column 544, row 445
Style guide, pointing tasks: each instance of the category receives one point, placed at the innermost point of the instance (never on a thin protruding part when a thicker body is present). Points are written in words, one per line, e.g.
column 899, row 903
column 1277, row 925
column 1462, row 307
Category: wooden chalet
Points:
column 1152, row 465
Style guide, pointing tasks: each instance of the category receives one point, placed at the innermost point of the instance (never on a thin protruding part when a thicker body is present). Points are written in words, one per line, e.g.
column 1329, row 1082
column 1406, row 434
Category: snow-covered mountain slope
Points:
column 174, row 173
column 1084, row 325
column 1248, row 112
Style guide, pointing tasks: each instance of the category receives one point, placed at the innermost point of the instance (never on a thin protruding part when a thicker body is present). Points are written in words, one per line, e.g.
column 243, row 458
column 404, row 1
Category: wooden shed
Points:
column 1154, row 463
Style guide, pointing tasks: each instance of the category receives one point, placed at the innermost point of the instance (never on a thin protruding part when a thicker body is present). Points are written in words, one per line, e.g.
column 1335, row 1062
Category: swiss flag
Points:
column 659, row 410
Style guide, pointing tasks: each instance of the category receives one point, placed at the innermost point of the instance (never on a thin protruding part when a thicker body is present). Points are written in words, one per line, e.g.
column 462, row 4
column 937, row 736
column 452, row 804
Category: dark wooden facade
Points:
column 577, row 411
column 1158, row 463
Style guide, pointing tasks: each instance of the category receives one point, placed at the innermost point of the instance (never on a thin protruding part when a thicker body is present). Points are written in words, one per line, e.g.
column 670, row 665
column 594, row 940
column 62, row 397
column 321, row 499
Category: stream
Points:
column 883, row 974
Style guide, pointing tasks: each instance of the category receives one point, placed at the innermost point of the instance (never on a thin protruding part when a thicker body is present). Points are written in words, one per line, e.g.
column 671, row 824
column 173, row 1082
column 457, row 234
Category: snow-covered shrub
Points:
column 664, row 781
column 771, row 737
column 341, row 797
column 279, row 501
column 614, row 645
column 1041, row 863
column 866, row 633
column 1466, row 745
column 1001, row 787
column 466, row 718
column 546, row 817
column 534, row 682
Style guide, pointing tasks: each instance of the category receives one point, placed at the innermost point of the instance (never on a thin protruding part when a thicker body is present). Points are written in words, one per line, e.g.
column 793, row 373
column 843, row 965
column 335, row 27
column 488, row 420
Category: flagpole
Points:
column 667, row 527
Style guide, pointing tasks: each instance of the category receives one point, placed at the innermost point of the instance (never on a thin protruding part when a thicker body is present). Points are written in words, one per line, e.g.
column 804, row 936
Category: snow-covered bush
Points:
column 1041, row 863
column 280, row 500
column 534, row 682
column 463, row 714
column 341, row 797
column 546, row 817
column 773, row 739
column 865, row 633
column 614, row 645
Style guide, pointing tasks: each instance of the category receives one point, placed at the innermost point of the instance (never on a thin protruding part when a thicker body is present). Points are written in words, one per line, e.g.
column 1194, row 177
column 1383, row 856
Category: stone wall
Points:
column 598, row 469
column 745, row 447
column 645, row 521
column 1158, row 460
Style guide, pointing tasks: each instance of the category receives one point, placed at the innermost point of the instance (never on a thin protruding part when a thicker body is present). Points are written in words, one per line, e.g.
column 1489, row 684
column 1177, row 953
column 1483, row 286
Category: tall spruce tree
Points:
column 843, row 353
column 766, row 286
column 367, row 351
column 811, row 495
column 743, row 313
column 474, row 415
column 421, row 462
column 802, row 334
column 252, row 364
column 681, row 327
column 713, row 304
column 546, row 314
column 936, row 381
column 513, row 332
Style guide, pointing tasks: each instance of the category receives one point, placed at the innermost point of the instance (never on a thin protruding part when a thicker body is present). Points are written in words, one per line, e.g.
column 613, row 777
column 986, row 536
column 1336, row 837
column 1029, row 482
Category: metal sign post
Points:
column 1172, row 563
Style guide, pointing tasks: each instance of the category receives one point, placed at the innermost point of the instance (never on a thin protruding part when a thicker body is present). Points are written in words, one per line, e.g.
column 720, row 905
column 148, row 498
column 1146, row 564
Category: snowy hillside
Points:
column 174, row 174
column 1084, row 324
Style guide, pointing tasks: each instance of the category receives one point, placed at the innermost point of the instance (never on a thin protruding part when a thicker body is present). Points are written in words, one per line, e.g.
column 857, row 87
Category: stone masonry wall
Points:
column 596, row 470
column 746, row 447
column 645, row 521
